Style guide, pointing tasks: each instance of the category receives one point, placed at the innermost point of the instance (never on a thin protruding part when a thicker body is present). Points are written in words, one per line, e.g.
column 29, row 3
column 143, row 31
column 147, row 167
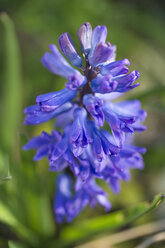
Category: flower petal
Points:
column 68, row 49
column 85, row 36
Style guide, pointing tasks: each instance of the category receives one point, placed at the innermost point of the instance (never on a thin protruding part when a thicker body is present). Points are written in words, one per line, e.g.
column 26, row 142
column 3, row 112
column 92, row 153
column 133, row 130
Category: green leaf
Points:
column 4, row 168
column 109, row 222
column 7, row 217
column 13, row 244
column 10, row 117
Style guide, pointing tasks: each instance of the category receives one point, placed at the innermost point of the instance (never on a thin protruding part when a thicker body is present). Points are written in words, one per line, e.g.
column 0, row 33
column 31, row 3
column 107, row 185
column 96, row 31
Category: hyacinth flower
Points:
column 83, row 151
column 68, row 206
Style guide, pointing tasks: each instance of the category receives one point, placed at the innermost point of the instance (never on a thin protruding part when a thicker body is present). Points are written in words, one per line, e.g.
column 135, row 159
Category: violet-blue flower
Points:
column 44, row 144
column 121, row 116
column 80, row 135
column 52, row 101
column 85, row 35
column 94, row 106
column 67, row 47
column 36, row 115
column 67, row 205
column 84, row 149
column 62, row 199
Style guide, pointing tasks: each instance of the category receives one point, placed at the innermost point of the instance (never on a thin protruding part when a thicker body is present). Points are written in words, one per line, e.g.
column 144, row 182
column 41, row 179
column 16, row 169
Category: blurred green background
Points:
column 138, row 29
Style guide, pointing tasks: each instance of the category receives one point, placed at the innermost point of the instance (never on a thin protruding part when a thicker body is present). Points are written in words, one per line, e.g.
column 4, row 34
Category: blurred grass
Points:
column 10, row 118
column 4, row 168
column 16, row 245
column 137, row 27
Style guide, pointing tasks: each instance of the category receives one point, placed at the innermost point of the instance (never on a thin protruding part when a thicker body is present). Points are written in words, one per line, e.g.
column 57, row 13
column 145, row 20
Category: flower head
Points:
column 83, row 146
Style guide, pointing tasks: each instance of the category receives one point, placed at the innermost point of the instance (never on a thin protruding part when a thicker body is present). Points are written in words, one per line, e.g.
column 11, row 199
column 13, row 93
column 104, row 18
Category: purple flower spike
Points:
column 93, row 104
column 85, row 36
column 68, row 49
column 104, row 85
column 85, row 149
column 80, row 135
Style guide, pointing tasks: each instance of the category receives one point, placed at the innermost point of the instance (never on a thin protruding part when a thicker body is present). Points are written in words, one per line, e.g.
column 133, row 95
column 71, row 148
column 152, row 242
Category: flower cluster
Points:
column 83, row 146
